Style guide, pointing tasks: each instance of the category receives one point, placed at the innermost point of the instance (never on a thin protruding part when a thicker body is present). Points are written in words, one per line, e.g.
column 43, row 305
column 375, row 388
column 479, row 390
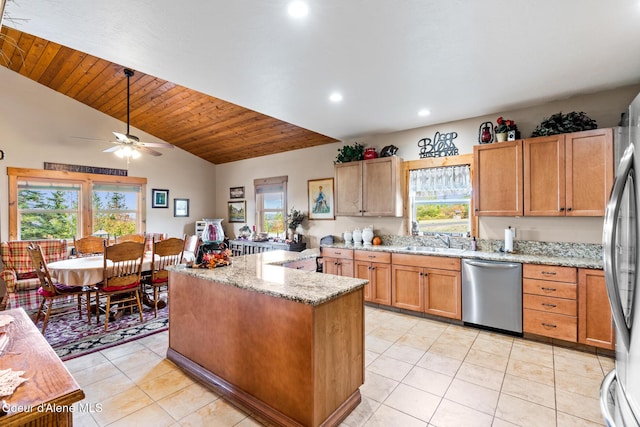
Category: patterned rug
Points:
column 71, row 337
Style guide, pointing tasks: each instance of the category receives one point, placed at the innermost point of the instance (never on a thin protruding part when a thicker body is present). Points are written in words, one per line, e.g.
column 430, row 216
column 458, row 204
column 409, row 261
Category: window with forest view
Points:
column 271, row 205
column 440, row 199
column 50, row 207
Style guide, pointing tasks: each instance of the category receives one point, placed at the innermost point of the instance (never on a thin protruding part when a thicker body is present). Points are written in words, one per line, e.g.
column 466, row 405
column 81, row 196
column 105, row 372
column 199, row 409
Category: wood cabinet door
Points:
column 330, row 266
column 443, row 293
column 346, row 267
column 381, row 280
column 595, row 326
column 589, row 171
column 381, row 194
column 362, row 270
column 407, row 287
column 348, row 188
column 497, row 179
column 544, row 176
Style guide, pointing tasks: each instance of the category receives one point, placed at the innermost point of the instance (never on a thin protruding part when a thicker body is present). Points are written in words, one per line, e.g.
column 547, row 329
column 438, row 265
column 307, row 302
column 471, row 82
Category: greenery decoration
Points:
column 295, row 218
column 350, row 153
column 564, row 123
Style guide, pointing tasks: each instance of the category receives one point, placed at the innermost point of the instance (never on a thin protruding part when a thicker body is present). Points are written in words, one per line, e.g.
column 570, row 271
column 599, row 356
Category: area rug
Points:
column 72, row 337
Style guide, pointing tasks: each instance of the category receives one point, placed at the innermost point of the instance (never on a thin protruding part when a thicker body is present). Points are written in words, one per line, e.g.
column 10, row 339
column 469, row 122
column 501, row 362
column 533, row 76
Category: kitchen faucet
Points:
column 445, row 238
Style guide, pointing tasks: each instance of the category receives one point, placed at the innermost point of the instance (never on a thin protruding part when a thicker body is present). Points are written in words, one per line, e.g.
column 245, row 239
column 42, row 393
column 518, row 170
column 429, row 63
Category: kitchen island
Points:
column 284, row 343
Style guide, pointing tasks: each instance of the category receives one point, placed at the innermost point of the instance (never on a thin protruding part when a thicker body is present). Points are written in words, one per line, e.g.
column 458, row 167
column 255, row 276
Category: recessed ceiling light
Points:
column 298, row 9
column 335, row 97
column 424, row 113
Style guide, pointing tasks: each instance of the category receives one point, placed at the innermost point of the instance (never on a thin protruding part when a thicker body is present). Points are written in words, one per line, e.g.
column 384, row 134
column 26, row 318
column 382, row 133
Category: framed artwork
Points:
column 236, row 193
column 181, row 207
column 321, row 203
column 159, row 198
column 238, row 211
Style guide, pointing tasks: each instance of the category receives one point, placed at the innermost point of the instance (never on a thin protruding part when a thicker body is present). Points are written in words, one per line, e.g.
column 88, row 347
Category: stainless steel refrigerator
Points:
column 620, row 391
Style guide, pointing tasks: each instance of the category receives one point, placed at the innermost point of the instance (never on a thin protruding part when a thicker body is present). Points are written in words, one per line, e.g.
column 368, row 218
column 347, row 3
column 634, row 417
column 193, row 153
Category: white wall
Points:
column 313, row 163
column 37, row 125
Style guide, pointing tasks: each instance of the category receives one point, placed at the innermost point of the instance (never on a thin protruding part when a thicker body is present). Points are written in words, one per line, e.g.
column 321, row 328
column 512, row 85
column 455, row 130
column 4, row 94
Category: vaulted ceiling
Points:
column 205, row 126
column 271, row 75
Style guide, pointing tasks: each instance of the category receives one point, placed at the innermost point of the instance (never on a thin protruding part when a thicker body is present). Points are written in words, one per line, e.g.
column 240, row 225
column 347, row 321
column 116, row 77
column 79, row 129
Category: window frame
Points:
column 259, row 199
column 434, row 162
column 86, row 180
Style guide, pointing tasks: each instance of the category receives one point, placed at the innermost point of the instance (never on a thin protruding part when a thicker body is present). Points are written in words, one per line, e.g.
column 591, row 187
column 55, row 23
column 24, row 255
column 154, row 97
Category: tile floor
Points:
column 419, row 372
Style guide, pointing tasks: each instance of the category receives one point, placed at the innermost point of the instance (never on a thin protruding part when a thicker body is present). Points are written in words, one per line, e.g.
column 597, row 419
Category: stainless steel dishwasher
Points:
column 492, row 294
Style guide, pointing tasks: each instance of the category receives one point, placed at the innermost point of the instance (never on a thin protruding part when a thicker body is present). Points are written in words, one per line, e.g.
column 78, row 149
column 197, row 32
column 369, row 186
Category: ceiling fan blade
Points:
column 149, row 151
column 121, row 137
column 155, row 144
column 89, row 139
column 112, row 149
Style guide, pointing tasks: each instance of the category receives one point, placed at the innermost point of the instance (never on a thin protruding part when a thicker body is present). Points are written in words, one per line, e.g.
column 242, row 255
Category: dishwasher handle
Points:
column 497, row 265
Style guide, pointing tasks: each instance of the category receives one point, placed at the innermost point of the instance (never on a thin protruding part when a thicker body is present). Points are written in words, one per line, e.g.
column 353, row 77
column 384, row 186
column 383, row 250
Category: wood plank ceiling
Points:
column 207, row 127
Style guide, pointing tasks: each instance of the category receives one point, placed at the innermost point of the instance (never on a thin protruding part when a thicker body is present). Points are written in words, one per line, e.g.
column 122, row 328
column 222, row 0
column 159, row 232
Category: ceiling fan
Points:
column 128, row 145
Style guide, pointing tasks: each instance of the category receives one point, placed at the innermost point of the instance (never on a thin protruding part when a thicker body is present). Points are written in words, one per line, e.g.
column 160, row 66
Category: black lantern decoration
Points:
column 485, row 133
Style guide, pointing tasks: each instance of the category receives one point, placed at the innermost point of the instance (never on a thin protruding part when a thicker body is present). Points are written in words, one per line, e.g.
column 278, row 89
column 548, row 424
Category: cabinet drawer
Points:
column 372, row 256
column 337, row 253
column 564, row 306
column 428, row 261
column 550, row 325
column 550, row 289
column 550, row 272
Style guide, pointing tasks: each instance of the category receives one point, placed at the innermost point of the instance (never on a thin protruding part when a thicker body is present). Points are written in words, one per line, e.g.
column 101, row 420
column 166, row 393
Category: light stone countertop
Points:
column 266, row 274
column 595, row 263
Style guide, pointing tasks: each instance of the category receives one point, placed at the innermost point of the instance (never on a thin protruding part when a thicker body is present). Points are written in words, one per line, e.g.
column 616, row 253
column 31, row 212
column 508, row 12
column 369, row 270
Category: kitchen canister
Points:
column 357, row 236
column 367, row 235
column 508, row 240
column 348, row 237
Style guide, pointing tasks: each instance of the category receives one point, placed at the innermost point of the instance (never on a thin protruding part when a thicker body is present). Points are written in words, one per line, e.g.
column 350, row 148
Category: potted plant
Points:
column 294, row 219
column 350, row 153
column 503, row 127
column 564, row 123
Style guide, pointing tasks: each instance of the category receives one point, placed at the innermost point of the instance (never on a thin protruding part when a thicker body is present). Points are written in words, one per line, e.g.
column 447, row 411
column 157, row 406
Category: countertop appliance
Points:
column 620, row 391
column 492, row 294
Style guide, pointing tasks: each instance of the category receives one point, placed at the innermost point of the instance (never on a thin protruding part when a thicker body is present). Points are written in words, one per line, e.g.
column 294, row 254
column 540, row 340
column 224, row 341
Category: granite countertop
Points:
column 565, row 261
column 265, row 273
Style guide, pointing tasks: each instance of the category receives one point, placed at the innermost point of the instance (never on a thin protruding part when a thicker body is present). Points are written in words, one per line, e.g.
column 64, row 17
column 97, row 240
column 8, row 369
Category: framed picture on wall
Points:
column 181, row 207
column 236, row 193
column 321, row 203
column 238, row 211
column 159, row 198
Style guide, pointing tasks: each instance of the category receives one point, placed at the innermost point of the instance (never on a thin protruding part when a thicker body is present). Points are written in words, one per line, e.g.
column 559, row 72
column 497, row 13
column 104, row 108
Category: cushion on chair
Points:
column 44, row 293
column 119, row 288
column 160, row 280
column 66, row 289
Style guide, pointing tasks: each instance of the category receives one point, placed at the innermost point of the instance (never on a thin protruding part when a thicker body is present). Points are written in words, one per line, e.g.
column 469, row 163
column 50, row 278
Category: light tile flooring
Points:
column 419, row 372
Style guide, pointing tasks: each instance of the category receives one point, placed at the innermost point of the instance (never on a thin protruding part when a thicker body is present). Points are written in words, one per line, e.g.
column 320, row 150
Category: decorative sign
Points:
column 84, row 169
column 441, row 146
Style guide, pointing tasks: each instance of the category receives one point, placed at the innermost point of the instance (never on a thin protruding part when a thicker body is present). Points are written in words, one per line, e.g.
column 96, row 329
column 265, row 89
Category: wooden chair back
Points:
column 89, row 245
column 122, row 265
column 165, row 253
column 40, row 265
column 139, row 238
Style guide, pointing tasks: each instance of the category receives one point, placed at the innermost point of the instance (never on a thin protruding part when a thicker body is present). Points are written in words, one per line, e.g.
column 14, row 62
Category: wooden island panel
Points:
column 293, row 363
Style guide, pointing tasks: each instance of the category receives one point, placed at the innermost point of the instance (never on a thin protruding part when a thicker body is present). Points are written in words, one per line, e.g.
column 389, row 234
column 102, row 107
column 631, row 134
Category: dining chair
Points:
column 89, row 245
column 139, row 238
column 121, row 278
column 165, row 253
column 56, row 293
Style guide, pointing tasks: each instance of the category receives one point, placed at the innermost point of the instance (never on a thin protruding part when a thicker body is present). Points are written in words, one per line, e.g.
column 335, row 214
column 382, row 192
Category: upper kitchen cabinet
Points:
column 497, row 179
column 569, row 174
column 369, row 187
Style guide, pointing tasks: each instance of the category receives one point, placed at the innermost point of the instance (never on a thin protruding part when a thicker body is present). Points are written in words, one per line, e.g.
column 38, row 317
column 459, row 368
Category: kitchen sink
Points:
column 433, row 249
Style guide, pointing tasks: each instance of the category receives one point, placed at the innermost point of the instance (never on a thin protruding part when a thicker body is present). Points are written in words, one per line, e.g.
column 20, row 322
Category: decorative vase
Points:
column 357, row 236
column 212, row 231
column 370, row 153
column 348, row 237
column 367, row 235
column 501, row 137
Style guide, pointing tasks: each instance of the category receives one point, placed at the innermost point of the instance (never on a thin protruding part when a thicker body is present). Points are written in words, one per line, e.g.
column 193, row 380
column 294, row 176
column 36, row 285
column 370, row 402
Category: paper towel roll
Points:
column 508, row 240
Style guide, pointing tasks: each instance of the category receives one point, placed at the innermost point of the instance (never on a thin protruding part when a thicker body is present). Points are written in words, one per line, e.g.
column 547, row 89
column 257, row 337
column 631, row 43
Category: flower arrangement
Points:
column 295, row 218
column 216, row 259
column 504, row 126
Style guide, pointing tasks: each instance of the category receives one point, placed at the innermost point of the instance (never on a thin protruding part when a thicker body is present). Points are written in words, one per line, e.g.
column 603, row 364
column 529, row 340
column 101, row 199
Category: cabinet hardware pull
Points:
column 373, row 268
column 569, row 209
column 548, row 325
column 548, row 289
column 561, row 209
column 299, row 267
column 546, row 304
column 338, row 253
column 549, row 273
column 476, row 209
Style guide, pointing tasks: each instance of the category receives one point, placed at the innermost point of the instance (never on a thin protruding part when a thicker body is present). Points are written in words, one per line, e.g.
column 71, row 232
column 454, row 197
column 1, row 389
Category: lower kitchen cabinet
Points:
column 375, row 267
column 337, row 261
column 428, row 284
column 595, row 326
